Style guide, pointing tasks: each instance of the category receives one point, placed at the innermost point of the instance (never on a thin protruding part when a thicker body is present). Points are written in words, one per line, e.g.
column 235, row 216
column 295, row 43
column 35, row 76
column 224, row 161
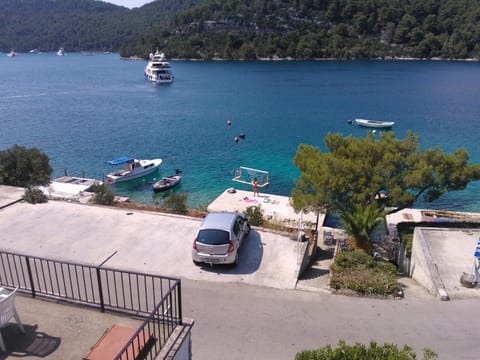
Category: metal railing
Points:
column 156, row 299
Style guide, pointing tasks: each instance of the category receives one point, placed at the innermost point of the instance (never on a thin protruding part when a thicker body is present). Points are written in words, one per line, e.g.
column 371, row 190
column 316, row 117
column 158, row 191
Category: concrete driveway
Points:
column 139, row 241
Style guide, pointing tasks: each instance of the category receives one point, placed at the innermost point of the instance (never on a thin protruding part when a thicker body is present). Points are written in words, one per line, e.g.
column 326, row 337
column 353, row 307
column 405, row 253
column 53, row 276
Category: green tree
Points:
column 24, row 167
column 359, row 171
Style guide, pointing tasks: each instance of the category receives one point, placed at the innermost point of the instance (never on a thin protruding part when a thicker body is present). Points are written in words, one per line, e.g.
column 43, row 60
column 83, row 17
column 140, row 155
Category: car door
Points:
column 242, row 224
column 237, row 232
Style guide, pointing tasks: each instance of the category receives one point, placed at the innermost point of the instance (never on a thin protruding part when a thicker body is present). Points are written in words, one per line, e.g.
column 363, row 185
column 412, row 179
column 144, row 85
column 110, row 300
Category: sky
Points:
column 129, row 3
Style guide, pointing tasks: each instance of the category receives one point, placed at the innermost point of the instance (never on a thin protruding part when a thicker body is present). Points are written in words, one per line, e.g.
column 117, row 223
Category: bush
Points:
column 103, row 194
column 255, row 215
column 359, row 351
column 359, row 272
column 34, row 196
column 176, row 202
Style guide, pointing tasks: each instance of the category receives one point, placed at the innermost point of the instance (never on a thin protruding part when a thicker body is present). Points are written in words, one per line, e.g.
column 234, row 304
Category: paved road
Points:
column 235, row 321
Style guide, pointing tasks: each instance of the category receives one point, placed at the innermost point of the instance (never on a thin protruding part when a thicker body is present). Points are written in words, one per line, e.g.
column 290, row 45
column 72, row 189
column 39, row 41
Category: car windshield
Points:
column 213, row 237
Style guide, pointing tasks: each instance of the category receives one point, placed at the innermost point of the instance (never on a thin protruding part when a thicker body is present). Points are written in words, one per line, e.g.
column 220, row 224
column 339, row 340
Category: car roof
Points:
column 219, row 220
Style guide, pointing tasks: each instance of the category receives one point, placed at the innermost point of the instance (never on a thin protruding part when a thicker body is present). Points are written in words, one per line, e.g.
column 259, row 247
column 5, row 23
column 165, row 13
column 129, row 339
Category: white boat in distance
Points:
column 61, row 52
column 12, row 53
column 374, row 123
column 132, row 168
column 158, row 69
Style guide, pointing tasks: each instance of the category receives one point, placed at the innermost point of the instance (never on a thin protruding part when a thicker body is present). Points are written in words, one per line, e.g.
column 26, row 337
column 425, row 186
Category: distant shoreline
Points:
column 276, row 58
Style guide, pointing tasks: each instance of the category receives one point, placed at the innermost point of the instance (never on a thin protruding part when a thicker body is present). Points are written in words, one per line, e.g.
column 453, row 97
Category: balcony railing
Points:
column 156, row 299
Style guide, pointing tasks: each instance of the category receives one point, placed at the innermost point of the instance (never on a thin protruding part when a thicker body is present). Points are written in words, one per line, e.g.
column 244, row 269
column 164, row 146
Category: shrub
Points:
column 386, row 351
column 176, row 202
column 359, row 272
column 103, row 194
column 255, row 215
column 34, row 196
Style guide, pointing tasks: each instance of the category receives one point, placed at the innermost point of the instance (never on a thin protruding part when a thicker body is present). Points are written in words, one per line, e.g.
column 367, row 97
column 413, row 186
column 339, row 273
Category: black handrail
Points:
column 128, row 292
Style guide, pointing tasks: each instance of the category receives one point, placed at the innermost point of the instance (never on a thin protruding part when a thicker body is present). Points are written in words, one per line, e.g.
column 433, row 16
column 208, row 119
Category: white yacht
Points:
column 61, row 52
column 132, row 168
column 158, row 69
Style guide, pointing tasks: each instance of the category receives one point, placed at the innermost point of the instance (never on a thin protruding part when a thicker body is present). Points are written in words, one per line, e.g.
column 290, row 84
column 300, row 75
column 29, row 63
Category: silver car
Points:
column 219, row 238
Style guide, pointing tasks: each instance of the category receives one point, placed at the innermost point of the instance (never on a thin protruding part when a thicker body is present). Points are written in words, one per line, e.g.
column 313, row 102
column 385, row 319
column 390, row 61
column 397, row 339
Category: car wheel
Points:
column 235, row 263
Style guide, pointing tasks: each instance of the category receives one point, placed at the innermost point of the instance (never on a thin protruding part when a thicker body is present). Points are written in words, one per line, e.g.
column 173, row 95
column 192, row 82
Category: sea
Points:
column 85, row 110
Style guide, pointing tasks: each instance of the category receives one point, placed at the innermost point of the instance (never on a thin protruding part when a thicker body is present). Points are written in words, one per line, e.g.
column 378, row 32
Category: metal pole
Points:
column 30, row 277
column 100, row 290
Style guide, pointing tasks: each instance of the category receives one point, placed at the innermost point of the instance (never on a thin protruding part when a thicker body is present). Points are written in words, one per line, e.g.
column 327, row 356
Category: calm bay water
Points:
column 84, row 110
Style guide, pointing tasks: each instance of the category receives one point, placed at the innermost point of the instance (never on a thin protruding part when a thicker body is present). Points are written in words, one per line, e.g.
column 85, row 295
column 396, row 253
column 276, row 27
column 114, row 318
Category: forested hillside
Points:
column 310, row 29
column 79, row 25
column 248, row 29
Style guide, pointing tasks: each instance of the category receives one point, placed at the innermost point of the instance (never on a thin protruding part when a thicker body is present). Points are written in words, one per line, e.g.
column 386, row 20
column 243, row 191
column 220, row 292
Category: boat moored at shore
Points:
column 168, row 182
column 132, row 168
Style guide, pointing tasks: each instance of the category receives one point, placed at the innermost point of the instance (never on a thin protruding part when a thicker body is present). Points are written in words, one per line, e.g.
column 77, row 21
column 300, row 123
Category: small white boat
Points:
column 12, row 54
column 374, row 123
column 61, row 52
column 132, row 168
column 158, row 69
column 168, row 182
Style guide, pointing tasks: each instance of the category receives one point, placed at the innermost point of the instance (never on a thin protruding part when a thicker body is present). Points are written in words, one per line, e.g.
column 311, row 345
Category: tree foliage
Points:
column 360, row 171
column 310, row 29
column 360, row 351
column 79, row 25
column 24, row 167
column 248, row 29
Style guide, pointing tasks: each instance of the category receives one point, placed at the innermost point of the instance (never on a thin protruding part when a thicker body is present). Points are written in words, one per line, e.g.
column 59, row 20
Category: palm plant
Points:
column 360, row 222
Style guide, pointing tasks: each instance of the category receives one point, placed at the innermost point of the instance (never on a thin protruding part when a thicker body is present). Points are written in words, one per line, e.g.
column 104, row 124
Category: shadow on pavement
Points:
column 31, row 344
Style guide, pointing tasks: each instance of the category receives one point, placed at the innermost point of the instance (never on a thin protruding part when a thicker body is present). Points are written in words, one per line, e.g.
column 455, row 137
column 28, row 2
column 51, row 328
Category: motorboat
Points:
column 61, row 52
column 131, row 168
column 158, row 69
column 12, row 53
column 168, row 182
column 374, row 123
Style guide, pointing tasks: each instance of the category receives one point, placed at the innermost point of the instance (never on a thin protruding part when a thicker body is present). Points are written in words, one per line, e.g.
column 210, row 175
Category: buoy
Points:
column 241, row 136
column 235, row 139
column 229, row 122
column 349, row 121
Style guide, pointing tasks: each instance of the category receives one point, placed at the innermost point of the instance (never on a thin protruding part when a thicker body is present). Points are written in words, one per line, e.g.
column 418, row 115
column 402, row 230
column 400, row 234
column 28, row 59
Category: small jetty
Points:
column 71, row 188
column 275, row 208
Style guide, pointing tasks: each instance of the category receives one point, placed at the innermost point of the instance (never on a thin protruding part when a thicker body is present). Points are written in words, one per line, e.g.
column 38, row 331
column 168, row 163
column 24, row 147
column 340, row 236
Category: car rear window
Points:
column 213, row 237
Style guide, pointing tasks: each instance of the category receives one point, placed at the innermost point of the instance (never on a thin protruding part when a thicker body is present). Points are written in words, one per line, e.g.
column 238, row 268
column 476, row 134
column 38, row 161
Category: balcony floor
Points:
column 56, row 330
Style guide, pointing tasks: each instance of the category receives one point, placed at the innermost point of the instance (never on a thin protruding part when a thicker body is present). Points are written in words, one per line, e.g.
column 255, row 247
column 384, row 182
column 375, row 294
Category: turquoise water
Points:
column 85, row 110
